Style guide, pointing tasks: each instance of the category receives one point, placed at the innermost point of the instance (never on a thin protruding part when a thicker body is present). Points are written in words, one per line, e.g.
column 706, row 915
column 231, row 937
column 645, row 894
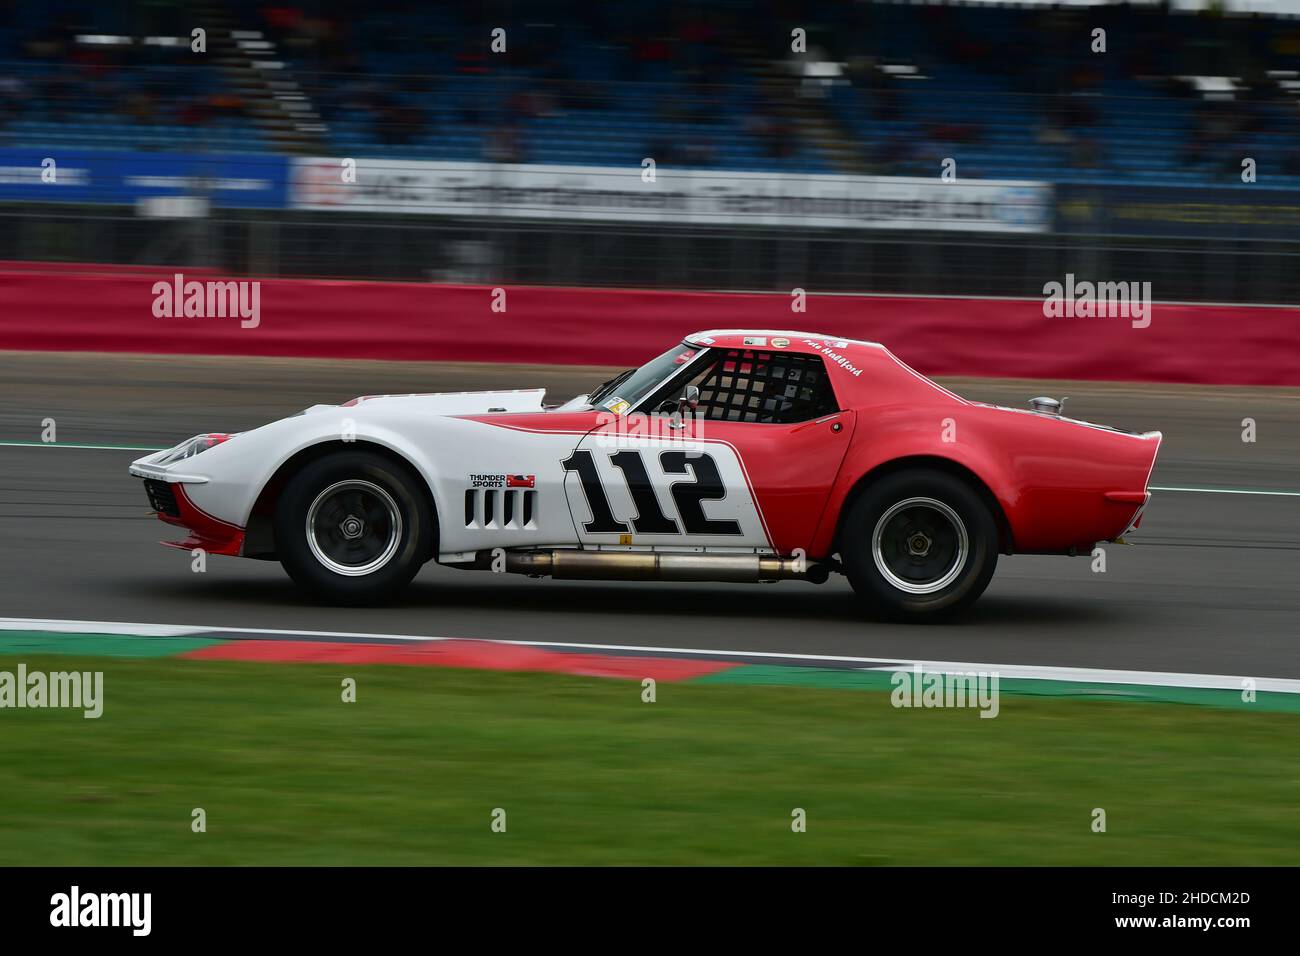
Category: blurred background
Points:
column 522, row 158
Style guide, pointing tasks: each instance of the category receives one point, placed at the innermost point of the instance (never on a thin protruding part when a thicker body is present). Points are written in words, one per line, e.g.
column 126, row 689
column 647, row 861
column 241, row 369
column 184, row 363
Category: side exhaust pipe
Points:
column 573, row 565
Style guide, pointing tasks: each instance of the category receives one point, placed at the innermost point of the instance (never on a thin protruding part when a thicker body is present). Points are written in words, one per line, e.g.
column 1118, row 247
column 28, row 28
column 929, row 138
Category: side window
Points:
column 773, row 388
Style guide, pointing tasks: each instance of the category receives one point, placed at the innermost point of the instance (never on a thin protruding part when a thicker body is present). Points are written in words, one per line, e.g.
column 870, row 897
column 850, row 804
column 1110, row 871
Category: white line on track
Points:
column 63, row 444
column 1230, row 491
column 1085, row 675
column 97, row 627
column 1203, row 491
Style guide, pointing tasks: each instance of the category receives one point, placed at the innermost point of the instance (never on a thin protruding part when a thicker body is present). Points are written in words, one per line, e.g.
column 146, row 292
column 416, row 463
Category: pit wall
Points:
column 66, row 307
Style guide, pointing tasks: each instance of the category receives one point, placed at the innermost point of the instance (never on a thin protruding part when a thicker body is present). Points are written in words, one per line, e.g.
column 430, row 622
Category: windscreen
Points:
column 645, row 379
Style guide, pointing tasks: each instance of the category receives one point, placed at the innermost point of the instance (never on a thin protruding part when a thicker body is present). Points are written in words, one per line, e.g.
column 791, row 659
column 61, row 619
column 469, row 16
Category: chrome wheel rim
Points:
column 354, row 527
column 920, row 545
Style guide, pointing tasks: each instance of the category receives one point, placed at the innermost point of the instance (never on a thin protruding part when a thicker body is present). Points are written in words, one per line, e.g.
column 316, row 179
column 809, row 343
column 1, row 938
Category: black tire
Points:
column 373, row 528
column 938, row 545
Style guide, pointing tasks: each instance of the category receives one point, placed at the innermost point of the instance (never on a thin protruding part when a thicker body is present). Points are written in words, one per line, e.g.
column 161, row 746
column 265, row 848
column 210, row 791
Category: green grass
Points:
column 588, row 774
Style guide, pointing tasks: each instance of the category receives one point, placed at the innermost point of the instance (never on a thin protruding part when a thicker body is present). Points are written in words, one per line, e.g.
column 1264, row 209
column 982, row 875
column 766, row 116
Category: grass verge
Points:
column 589, row 774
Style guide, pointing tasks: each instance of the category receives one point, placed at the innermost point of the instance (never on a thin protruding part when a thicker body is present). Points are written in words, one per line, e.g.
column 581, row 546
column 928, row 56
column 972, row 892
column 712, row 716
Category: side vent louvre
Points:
column 512, row 508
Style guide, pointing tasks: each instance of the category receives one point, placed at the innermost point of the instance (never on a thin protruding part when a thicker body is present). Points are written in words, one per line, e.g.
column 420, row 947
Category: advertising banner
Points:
column 237, row 180
column 704, row 197
column 1241, row 211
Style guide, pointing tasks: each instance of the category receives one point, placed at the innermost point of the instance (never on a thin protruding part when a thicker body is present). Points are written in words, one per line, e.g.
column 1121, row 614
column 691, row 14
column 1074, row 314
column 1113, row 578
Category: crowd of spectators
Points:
column 706, row 85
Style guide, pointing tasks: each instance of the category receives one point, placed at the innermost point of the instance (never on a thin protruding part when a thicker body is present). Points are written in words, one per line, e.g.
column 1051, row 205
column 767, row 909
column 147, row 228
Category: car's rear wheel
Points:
column 919, row 544
column 353, row 528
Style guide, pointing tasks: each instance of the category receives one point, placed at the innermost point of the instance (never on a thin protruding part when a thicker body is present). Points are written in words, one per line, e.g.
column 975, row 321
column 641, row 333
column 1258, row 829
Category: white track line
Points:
column 1027, row 672
column 1230, row 491
column 97, row 627
column 1093, row 675
column 73, row 445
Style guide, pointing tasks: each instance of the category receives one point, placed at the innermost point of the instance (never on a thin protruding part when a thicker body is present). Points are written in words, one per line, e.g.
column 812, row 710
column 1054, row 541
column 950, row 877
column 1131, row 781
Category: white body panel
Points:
column 497, row 485
column 225, row 480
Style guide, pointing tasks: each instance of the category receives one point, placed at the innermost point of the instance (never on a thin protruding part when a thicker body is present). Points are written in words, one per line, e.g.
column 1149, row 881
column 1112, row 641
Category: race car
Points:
column 736, row 455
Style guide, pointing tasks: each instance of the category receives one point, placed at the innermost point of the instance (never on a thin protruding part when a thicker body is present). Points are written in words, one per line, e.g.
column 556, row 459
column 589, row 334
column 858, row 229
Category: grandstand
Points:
column 1131, row 159
column 882, row 88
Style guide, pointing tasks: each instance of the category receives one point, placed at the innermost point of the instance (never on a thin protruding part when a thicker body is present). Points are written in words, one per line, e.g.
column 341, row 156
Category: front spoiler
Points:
column 206, row 533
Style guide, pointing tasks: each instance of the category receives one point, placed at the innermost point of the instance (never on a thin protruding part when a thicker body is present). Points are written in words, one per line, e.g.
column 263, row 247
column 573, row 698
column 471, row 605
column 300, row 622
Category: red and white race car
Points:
column 733, row 456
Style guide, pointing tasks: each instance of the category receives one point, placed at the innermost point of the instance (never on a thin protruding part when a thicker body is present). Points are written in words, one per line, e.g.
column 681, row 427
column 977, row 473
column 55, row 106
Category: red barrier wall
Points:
column 113, row 312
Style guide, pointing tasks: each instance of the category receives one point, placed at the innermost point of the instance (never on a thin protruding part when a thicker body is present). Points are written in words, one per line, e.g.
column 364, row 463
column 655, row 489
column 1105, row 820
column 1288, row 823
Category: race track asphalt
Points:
column 1211, row 584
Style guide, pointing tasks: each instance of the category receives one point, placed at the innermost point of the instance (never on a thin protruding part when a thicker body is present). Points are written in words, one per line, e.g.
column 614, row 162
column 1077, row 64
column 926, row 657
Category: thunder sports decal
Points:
column 502, row 481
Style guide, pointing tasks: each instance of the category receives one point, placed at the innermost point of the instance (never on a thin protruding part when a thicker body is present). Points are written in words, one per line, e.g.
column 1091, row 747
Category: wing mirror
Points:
column 690, row 399
column 687, row 403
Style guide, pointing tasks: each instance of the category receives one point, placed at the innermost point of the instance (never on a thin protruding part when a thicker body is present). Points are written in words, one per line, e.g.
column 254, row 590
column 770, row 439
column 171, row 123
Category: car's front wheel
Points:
column 919, row 544
column 353, row 527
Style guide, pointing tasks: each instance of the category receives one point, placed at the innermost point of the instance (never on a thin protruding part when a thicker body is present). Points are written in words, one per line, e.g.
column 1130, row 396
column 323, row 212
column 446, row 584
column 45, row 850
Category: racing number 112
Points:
column 688, row 496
